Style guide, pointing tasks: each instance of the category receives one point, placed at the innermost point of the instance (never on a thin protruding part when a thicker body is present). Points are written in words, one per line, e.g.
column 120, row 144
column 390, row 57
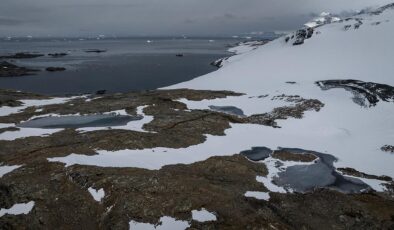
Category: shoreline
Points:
column 287, row 135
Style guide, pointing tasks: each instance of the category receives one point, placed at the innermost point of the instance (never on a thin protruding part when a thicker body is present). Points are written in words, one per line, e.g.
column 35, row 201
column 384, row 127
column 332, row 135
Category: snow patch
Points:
column 203, row 215
column 166, row 223
column 324, row 18
column 4, row 169
column 18, row 209
column 258, row 195
column 97, row 195
column 4, row 125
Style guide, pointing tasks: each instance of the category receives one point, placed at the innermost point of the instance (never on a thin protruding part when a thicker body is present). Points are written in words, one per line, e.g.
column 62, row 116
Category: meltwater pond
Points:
column 305, row 177
column 96, row 120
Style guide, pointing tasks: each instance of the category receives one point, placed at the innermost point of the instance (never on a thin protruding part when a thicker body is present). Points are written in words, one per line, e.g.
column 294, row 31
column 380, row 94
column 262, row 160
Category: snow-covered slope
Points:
column 324, row 18
column 347, row 65
column 333, row 52
column 359, row 48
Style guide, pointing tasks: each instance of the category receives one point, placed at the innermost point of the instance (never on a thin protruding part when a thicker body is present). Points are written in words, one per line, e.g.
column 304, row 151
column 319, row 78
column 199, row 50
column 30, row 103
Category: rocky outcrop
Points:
column 297, row 110
column 95, row 51
column 219, row 63
column 388, row 148
column 380, row 9
column 300, row 36
column 101, row 92
column 289, row 156
column 232, row 110
column 353, row 172
column 239, row 48
column 13, row 98
column 22, row 56
column 56, row 55
column 366, row 94
column 55, row 69
column 10, row 70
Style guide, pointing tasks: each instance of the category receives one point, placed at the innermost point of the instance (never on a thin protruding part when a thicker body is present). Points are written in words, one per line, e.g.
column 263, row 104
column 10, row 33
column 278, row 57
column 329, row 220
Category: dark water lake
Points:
column 129, row 64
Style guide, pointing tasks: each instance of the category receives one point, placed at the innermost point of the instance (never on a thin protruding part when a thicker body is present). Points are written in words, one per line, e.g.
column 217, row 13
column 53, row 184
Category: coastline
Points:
column 229, row 143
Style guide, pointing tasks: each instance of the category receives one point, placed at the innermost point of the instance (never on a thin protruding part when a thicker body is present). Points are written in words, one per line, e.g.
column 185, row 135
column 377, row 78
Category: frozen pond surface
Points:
column 228, row 109
column 257, row 153
column 97, row 120
column 320, row 173
column 305, row 176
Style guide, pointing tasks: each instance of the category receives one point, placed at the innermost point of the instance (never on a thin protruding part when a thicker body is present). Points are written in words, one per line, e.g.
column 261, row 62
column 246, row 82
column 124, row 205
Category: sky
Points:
column 163, row 17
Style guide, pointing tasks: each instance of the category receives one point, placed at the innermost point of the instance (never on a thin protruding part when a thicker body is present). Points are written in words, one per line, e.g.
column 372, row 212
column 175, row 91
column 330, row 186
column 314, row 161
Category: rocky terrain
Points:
column 365, row 93
column 57, row 55
column 55, row 69
column 268, row 141
column 95, row 51
column 21, row 56
column 218, row 184
column 239, row 48
column 8, row 69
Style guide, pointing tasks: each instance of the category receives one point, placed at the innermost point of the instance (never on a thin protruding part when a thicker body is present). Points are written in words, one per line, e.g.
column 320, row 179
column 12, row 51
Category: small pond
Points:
column 94, row 120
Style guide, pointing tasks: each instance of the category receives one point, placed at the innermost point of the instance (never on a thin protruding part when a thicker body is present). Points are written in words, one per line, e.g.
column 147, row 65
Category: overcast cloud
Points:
column 162, row 17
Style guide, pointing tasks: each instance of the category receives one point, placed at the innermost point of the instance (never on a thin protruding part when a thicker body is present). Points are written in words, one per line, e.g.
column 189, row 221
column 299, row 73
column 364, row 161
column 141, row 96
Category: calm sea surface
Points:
column 129, row 64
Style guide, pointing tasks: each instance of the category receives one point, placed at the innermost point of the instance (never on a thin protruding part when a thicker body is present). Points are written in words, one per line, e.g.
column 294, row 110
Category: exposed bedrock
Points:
column 366, row 94
column 55, row 69
column 388, row 148
column 217, row 184
column 22, row 56
column 8, row 69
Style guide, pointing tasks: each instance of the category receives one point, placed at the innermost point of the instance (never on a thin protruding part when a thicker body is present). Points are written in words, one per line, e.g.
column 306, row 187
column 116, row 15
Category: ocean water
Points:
column 129, row 64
